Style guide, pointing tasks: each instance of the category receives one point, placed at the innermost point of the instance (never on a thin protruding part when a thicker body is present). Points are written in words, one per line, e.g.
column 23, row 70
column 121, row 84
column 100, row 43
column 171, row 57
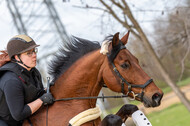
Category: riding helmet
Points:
column 19, row 44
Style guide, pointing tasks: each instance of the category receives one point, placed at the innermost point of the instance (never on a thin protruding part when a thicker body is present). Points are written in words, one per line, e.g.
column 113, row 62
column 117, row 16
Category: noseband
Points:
column 111, row 58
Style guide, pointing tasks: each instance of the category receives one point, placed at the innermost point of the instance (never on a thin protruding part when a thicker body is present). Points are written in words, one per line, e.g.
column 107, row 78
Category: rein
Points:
column 92, row 97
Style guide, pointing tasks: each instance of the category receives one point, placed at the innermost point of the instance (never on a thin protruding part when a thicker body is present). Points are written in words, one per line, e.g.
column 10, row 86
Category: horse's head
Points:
column 122, row 73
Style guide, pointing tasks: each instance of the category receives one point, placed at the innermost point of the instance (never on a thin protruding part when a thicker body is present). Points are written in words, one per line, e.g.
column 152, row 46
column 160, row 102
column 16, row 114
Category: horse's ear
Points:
column 115, row 40
column 125, row 38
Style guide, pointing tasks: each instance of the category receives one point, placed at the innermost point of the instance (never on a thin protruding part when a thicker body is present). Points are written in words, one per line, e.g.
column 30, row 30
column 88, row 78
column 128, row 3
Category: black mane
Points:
column 68, row 53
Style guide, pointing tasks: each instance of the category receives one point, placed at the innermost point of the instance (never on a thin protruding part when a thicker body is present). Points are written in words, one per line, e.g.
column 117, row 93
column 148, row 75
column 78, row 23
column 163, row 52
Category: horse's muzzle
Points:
column 153, row 101
column 156, row 99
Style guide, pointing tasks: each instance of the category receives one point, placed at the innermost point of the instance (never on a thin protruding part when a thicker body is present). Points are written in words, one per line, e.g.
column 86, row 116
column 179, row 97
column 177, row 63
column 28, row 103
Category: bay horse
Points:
column 80, row 70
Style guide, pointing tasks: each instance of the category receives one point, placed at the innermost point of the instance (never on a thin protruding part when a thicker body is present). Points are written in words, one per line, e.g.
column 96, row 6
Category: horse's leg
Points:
column 120, row 117
column 126, row 111
column 111, row 120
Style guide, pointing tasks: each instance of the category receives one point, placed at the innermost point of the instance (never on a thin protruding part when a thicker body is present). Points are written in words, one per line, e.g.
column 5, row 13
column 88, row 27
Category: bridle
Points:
column 111, row 58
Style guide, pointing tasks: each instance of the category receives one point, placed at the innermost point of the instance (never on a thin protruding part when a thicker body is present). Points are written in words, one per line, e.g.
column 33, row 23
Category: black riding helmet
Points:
column 19, row 44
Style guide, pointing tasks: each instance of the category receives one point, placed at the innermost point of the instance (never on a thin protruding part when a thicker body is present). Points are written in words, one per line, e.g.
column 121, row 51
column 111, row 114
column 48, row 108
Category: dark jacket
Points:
column 18, row 87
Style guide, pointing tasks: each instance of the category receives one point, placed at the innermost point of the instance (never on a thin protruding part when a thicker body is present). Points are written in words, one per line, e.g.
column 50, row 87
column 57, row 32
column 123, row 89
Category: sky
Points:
column 87, row 23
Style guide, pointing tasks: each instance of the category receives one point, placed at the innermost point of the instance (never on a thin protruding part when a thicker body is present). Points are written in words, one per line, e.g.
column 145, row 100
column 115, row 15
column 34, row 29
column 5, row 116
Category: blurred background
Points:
column 160, row 39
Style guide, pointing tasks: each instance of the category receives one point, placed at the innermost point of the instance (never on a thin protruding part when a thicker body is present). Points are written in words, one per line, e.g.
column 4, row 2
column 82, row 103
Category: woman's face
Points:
column 29, row 58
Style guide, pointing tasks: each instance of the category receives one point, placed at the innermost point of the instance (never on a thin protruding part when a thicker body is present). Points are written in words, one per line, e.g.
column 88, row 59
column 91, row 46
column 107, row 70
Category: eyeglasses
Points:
column 34, row 51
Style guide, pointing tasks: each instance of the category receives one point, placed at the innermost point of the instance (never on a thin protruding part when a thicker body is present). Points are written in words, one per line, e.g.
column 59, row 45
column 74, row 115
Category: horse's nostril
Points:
column 157, row 98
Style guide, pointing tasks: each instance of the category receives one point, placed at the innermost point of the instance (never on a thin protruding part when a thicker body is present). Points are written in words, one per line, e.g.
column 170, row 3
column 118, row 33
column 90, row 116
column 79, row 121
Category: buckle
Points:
column 133, row 95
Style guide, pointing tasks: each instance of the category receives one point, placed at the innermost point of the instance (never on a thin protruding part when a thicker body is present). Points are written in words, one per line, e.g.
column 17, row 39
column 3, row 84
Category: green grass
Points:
column 175, row 115
column 135, row 102
column 184, row 82
column 180, row 84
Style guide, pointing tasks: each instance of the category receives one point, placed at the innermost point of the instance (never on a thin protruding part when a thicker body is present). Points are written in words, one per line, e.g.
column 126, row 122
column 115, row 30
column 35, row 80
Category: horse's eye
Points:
column 125, row 65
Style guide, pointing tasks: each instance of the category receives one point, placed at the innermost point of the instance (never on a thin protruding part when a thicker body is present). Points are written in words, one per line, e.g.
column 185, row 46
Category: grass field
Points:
column 175, row 115
column 180, row 84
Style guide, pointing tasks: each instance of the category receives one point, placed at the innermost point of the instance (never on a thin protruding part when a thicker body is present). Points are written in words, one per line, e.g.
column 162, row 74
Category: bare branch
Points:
column 120, row 21
column 188, row 49
column 90, row 7
column 128, row 13
column 117, row 4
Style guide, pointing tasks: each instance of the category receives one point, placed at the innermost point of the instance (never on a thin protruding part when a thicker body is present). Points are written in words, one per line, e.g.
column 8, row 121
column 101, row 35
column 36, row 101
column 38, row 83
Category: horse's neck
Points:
column 82, row 79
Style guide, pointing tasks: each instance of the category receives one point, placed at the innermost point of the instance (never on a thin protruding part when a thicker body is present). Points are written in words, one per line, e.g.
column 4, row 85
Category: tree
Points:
column 137, row 31
column 173, row 41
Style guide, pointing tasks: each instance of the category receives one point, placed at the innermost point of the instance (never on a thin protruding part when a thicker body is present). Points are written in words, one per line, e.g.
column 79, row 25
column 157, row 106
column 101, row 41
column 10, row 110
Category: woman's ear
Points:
column 16, row 57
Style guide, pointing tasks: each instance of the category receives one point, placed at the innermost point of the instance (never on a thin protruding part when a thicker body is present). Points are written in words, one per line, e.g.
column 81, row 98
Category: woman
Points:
column 21, row 89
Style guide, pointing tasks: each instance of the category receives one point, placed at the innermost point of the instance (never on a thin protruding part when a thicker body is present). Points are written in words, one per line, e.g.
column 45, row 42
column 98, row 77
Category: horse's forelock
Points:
column 104, row 47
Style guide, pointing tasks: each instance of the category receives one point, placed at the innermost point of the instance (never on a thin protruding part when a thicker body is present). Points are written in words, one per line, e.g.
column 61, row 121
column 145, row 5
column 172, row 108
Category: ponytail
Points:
column 4, row 58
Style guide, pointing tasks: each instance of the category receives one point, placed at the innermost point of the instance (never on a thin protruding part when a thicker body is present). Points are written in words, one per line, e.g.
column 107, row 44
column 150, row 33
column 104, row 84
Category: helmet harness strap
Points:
column 21, row 62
